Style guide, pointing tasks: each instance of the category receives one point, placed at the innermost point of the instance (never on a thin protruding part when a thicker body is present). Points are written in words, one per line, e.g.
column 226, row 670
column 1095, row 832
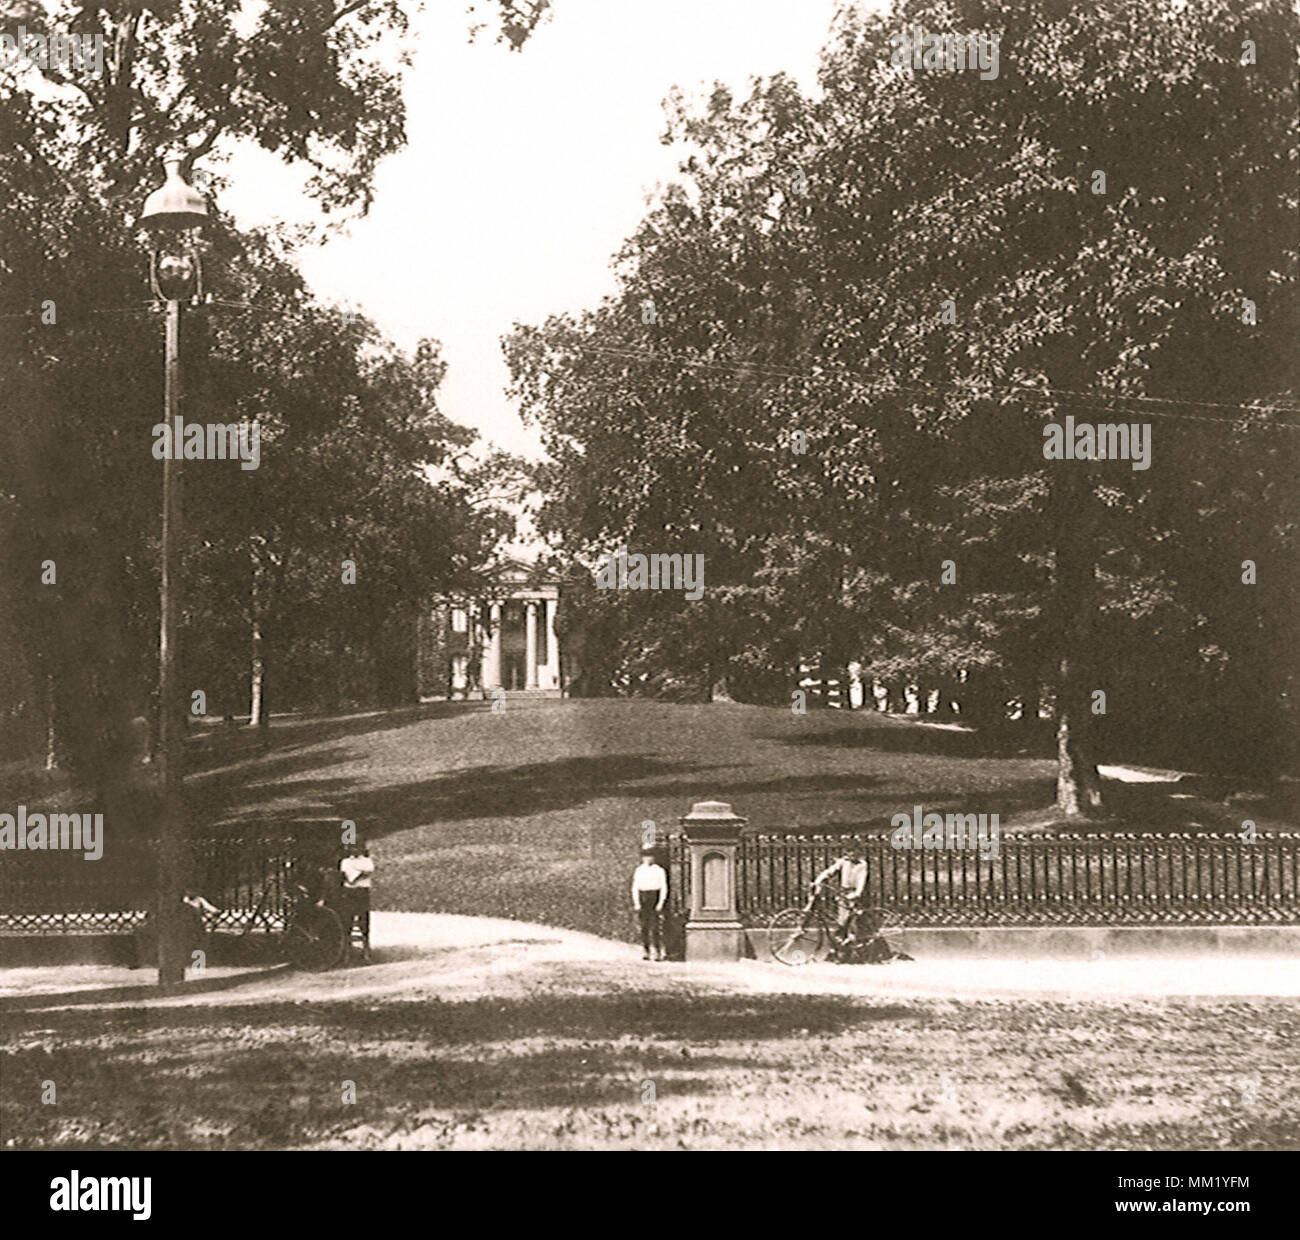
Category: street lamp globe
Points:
column 172, row 219
column 175, row 205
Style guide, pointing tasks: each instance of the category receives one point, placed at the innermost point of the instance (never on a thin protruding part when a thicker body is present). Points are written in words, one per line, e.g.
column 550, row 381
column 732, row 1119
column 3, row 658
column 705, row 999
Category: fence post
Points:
column 713, row 926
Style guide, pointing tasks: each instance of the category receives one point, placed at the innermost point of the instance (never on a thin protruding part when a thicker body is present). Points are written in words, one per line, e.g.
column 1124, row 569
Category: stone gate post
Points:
column 714, row 930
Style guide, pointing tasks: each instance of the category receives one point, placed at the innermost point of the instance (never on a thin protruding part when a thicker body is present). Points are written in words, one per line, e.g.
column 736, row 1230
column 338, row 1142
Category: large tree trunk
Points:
column 1078, row 785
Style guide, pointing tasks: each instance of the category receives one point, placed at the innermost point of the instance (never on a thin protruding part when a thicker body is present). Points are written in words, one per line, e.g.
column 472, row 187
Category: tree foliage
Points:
column 911, row 272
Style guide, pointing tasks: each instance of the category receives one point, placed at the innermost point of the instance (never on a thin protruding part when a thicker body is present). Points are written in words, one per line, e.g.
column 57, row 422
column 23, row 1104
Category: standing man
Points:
column 649, row 891
column 354, row 895
column 850, row 871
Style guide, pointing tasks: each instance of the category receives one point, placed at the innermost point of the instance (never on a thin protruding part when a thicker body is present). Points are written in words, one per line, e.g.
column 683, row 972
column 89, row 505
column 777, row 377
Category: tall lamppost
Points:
column 172, row 218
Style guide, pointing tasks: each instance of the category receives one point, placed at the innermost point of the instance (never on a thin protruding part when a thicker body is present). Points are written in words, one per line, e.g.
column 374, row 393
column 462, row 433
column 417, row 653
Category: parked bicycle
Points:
column 809, row 932
column 313, row 939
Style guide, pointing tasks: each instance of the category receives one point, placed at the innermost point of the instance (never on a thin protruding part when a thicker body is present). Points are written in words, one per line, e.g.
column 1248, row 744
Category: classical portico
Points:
column 502, row 641
column 521, row 651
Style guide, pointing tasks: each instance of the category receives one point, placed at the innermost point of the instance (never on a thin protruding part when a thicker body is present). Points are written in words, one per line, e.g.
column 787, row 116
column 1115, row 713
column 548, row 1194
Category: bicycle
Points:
column 802, row 934
column 314, row 939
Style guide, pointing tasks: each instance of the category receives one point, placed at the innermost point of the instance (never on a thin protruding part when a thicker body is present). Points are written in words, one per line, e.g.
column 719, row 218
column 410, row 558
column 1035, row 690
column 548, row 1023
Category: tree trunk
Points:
column 1078, row 785
column 259, row 716
column 51, row 740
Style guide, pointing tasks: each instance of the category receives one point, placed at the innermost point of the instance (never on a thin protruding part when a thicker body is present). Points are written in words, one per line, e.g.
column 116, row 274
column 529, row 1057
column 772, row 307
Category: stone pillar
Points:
column 492, row 651
column 713, row 927
column 552, row 643
column 530, row 645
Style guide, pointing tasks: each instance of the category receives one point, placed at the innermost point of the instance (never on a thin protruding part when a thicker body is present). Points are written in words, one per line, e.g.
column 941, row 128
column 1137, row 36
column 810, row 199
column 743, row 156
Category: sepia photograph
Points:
column 581, row 576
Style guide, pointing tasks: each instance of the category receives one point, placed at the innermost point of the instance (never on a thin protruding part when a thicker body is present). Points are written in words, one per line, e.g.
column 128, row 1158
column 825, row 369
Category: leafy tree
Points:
column 307, row 80
column 351, row 432
column 913, row 272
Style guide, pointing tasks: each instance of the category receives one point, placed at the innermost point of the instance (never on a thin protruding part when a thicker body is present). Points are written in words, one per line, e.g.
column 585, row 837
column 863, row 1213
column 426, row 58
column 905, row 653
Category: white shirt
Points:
column 853, row 875
column 649, row 877
column 356, row 872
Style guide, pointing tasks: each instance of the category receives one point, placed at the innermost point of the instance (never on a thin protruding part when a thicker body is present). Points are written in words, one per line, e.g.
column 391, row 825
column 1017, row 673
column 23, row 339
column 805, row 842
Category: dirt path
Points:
column 423, row 955
column 473, row 1033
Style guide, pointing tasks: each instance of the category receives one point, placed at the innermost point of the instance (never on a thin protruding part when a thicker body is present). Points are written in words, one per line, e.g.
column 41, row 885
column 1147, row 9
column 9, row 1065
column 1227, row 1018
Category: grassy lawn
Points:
column 565, row 1061
column 536, row 813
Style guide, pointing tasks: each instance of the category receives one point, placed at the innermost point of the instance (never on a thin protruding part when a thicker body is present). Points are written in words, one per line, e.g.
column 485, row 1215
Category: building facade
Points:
column 471, row 648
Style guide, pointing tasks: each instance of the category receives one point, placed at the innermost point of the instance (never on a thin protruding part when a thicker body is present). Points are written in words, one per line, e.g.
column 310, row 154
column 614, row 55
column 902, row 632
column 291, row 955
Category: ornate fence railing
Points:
column 1037, row 879
column 246, row 877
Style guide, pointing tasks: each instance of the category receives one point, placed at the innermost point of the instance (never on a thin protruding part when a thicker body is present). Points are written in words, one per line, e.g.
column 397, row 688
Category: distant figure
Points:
column 649, row 891
column 354, row 895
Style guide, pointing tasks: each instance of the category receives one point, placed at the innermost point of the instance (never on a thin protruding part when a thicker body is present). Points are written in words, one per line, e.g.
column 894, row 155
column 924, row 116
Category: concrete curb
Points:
column 1084, row 942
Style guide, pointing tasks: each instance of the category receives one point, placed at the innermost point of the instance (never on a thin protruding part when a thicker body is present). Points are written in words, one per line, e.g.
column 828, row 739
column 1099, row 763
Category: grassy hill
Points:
column 536, row 813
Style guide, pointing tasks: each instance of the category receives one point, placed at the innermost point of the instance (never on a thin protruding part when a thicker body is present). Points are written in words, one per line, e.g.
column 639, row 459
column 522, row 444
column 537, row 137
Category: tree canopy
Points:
column 838, row 336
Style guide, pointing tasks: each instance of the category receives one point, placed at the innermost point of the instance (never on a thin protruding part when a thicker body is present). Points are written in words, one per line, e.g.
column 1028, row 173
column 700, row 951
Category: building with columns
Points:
column 470, row 648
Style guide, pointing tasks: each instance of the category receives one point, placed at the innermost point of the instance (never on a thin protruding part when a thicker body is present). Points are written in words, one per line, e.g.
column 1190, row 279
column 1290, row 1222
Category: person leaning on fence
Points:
column 649, row 891
column 850, row 874
column 195, row 911
column 354, row 895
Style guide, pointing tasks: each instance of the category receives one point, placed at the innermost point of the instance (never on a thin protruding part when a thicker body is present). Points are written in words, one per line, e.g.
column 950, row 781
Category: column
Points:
column 492, row 653
column 473, row 646
column 530, row 646
column 552, row 643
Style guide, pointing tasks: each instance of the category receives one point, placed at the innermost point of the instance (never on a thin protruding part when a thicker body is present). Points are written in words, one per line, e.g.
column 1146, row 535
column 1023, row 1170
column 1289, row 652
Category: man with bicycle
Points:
column 849, row 875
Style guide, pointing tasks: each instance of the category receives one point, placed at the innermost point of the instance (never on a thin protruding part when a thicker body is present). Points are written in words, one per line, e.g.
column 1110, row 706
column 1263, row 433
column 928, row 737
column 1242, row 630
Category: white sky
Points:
column 524, row 172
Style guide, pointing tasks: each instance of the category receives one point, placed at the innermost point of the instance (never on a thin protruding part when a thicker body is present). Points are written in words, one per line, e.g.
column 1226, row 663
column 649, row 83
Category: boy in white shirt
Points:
column 649, row 891
column 354, row 895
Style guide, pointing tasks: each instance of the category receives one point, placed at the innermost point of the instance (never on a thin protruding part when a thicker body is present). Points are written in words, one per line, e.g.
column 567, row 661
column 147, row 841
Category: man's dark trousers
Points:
column 650, row 928
column 354, row 908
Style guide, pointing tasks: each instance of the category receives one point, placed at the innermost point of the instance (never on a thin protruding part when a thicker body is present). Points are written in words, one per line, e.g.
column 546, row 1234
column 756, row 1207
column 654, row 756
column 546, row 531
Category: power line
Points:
column 972, row 389
column 749, row 370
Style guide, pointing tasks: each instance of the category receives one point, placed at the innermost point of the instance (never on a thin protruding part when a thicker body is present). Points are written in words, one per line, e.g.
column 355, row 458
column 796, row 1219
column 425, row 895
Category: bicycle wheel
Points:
column 796, row 936
column 315, row 941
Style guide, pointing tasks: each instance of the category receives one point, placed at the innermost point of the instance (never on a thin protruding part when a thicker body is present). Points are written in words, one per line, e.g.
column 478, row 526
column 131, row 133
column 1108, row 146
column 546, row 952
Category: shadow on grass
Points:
column 517, row 792
column 218, row 746
column 270, row 1075
column 496, row 791
column 208, row 748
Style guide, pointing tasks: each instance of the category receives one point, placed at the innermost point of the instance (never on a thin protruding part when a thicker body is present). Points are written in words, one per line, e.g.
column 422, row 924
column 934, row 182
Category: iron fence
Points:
column 246, row 877
column 1037, row 879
